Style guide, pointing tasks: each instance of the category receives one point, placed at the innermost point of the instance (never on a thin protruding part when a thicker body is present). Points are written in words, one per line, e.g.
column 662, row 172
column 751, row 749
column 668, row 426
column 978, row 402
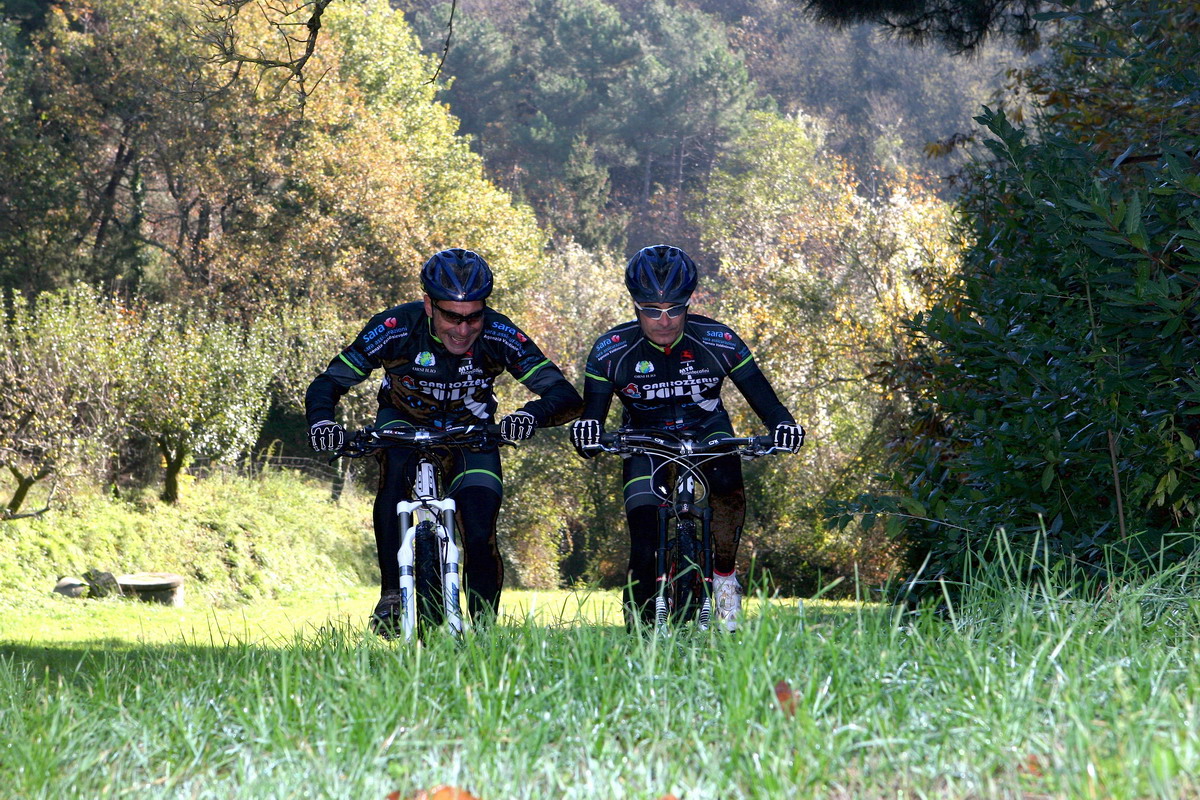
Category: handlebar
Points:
column 369, row 439
column 632, row 441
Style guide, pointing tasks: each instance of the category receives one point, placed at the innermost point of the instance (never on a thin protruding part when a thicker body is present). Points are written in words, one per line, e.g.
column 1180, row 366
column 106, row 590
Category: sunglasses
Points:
column 461, row 319
column 674, row 312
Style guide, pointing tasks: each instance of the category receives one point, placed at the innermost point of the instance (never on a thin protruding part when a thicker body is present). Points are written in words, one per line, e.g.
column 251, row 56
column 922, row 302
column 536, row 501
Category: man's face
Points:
column 457, row 324
column 666, row 329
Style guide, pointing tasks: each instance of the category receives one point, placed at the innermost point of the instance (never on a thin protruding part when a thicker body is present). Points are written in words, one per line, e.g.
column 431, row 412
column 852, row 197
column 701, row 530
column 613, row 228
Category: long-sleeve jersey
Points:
column 430, row 386
column 677, row 387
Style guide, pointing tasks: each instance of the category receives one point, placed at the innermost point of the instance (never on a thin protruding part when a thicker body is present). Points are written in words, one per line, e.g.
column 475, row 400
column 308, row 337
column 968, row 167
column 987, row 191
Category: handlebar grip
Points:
column 764, row 441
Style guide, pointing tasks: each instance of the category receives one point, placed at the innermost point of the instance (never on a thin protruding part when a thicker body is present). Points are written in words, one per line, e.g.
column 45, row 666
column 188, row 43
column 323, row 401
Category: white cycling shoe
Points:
column 727, row 593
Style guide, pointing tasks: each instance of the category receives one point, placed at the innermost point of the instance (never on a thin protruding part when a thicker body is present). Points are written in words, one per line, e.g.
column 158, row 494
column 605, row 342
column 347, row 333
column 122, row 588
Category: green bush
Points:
column 1056, row 386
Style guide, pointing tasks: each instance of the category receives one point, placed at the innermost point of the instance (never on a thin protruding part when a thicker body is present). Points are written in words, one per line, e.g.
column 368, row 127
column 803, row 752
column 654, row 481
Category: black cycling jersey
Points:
column 678, row 387
column 428, row 385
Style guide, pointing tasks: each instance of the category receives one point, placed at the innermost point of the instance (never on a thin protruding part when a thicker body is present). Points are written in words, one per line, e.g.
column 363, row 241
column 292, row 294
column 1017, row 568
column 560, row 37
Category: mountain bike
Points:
column 684, row 558
column 430, row 550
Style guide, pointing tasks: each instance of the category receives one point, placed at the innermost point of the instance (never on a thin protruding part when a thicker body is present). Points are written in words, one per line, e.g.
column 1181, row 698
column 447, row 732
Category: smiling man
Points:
column 667, row 367
column 440, row 358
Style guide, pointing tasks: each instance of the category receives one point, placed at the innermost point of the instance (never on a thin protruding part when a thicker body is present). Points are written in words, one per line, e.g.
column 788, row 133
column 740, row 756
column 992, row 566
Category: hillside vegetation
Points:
column 188, row 238
column 231, row 538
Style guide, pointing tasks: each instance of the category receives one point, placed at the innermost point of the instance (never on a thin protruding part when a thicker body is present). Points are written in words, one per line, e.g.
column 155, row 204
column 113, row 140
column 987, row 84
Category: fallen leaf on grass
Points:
column 438, row 793
column 787, row 700
column 1032, row 766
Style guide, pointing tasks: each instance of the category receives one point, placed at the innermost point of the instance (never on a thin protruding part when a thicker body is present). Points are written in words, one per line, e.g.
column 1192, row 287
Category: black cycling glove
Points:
column 585, row 432
column 518, row 426
column 325, row 436
column 789, row 436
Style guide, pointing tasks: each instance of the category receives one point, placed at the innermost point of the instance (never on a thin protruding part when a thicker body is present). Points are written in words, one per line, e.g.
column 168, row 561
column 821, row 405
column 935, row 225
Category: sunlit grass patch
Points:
column 1020, row 690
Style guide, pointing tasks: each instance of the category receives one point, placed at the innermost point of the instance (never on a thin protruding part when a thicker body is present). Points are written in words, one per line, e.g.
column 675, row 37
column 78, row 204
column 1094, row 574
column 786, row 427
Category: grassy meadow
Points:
column 1025, row 695
column 1012, row 692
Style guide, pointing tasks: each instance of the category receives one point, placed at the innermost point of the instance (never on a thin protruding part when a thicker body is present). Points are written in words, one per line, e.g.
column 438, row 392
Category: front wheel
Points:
column 685, row 586
column 427, row 564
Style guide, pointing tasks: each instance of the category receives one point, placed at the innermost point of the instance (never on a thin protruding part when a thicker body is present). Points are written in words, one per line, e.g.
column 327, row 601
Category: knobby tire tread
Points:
column 427, row 562
column 685, row 573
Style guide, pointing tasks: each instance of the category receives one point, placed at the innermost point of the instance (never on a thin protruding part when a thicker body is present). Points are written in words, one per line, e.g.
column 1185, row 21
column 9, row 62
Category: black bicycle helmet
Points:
column 660, row 274
column 456, row 275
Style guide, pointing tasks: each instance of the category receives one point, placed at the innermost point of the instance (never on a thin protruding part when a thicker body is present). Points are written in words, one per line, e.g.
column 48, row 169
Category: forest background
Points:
column 984, row 324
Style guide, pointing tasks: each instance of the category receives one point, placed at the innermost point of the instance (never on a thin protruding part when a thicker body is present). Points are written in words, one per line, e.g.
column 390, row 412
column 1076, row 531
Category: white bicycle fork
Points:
column 428, row 507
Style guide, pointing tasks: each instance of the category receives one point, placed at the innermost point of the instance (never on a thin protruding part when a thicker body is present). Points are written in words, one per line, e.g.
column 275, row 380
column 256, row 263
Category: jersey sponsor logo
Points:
column 425, row 358
column 605, row 346
column 468, row 368
column 500, row 326
column 719, row 335
column 644, row 368
column 507, row 341
column 690, row 368
column 453, row 391
column 616, row 338
column 681, row 388
column 390, row 322
column 631, row 391
column 355, row 358
column 687, row 355
column 371, row 335
column 522, row 337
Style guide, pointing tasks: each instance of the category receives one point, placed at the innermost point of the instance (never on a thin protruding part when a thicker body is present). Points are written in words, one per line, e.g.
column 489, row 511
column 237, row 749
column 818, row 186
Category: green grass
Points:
column 267, row 685
column 232, row 538
column 1016, row 694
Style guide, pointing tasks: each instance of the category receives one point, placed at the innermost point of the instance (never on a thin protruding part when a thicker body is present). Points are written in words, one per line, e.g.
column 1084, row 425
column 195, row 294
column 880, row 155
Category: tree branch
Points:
column 227, row 49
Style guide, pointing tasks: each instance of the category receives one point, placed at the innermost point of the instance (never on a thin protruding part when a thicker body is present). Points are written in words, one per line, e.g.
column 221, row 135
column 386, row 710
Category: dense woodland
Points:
column 968, row 264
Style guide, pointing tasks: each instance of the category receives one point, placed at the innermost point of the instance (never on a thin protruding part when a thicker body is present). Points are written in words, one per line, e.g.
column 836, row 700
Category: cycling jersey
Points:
column 677, row 387
column 428, row 385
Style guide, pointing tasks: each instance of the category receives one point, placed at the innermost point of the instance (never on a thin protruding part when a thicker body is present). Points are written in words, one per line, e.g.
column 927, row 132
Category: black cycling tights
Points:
column 478, row 507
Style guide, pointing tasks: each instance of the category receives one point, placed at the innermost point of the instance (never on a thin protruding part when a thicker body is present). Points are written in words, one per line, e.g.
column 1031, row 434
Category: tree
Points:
column 37, row 188
column 595, row 111
column 814, row 277
column 960, row 25
column 202, row 387
column 168, row 189
column 1056, row 381
column 884, row 98
column 65, row 381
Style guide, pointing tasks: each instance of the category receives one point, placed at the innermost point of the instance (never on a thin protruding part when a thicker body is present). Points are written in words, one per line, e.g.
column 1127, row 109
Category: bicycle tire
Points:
column 686, row 576
column 427, row 564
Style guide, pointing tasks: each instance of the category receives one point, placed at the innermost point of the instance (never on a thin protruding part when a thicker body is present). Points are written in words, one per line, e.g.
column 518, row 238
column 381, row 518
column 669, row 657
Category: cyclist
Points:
column 667, row 367
column 440, row 358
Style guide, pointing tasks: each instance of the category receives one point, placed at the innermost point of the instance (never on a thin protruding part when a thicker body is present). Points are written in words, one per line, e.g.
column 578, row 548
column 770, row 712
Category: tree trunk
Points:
column 646, row 180
column 24, row 484
column 174, row 460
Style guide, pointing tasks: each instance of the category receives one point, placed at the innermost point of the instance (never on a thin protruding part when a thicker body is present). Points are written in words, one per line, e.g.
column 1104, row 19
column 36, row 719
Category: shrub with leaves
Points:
column 64, row 384
column 1057, row 384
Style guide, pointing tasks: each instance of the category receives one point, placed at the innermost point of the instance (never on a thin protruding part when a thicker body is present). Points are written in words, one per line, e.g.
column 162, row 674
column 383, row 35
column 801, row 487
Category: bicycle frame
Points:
column 682, row 505
column 429, row 510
